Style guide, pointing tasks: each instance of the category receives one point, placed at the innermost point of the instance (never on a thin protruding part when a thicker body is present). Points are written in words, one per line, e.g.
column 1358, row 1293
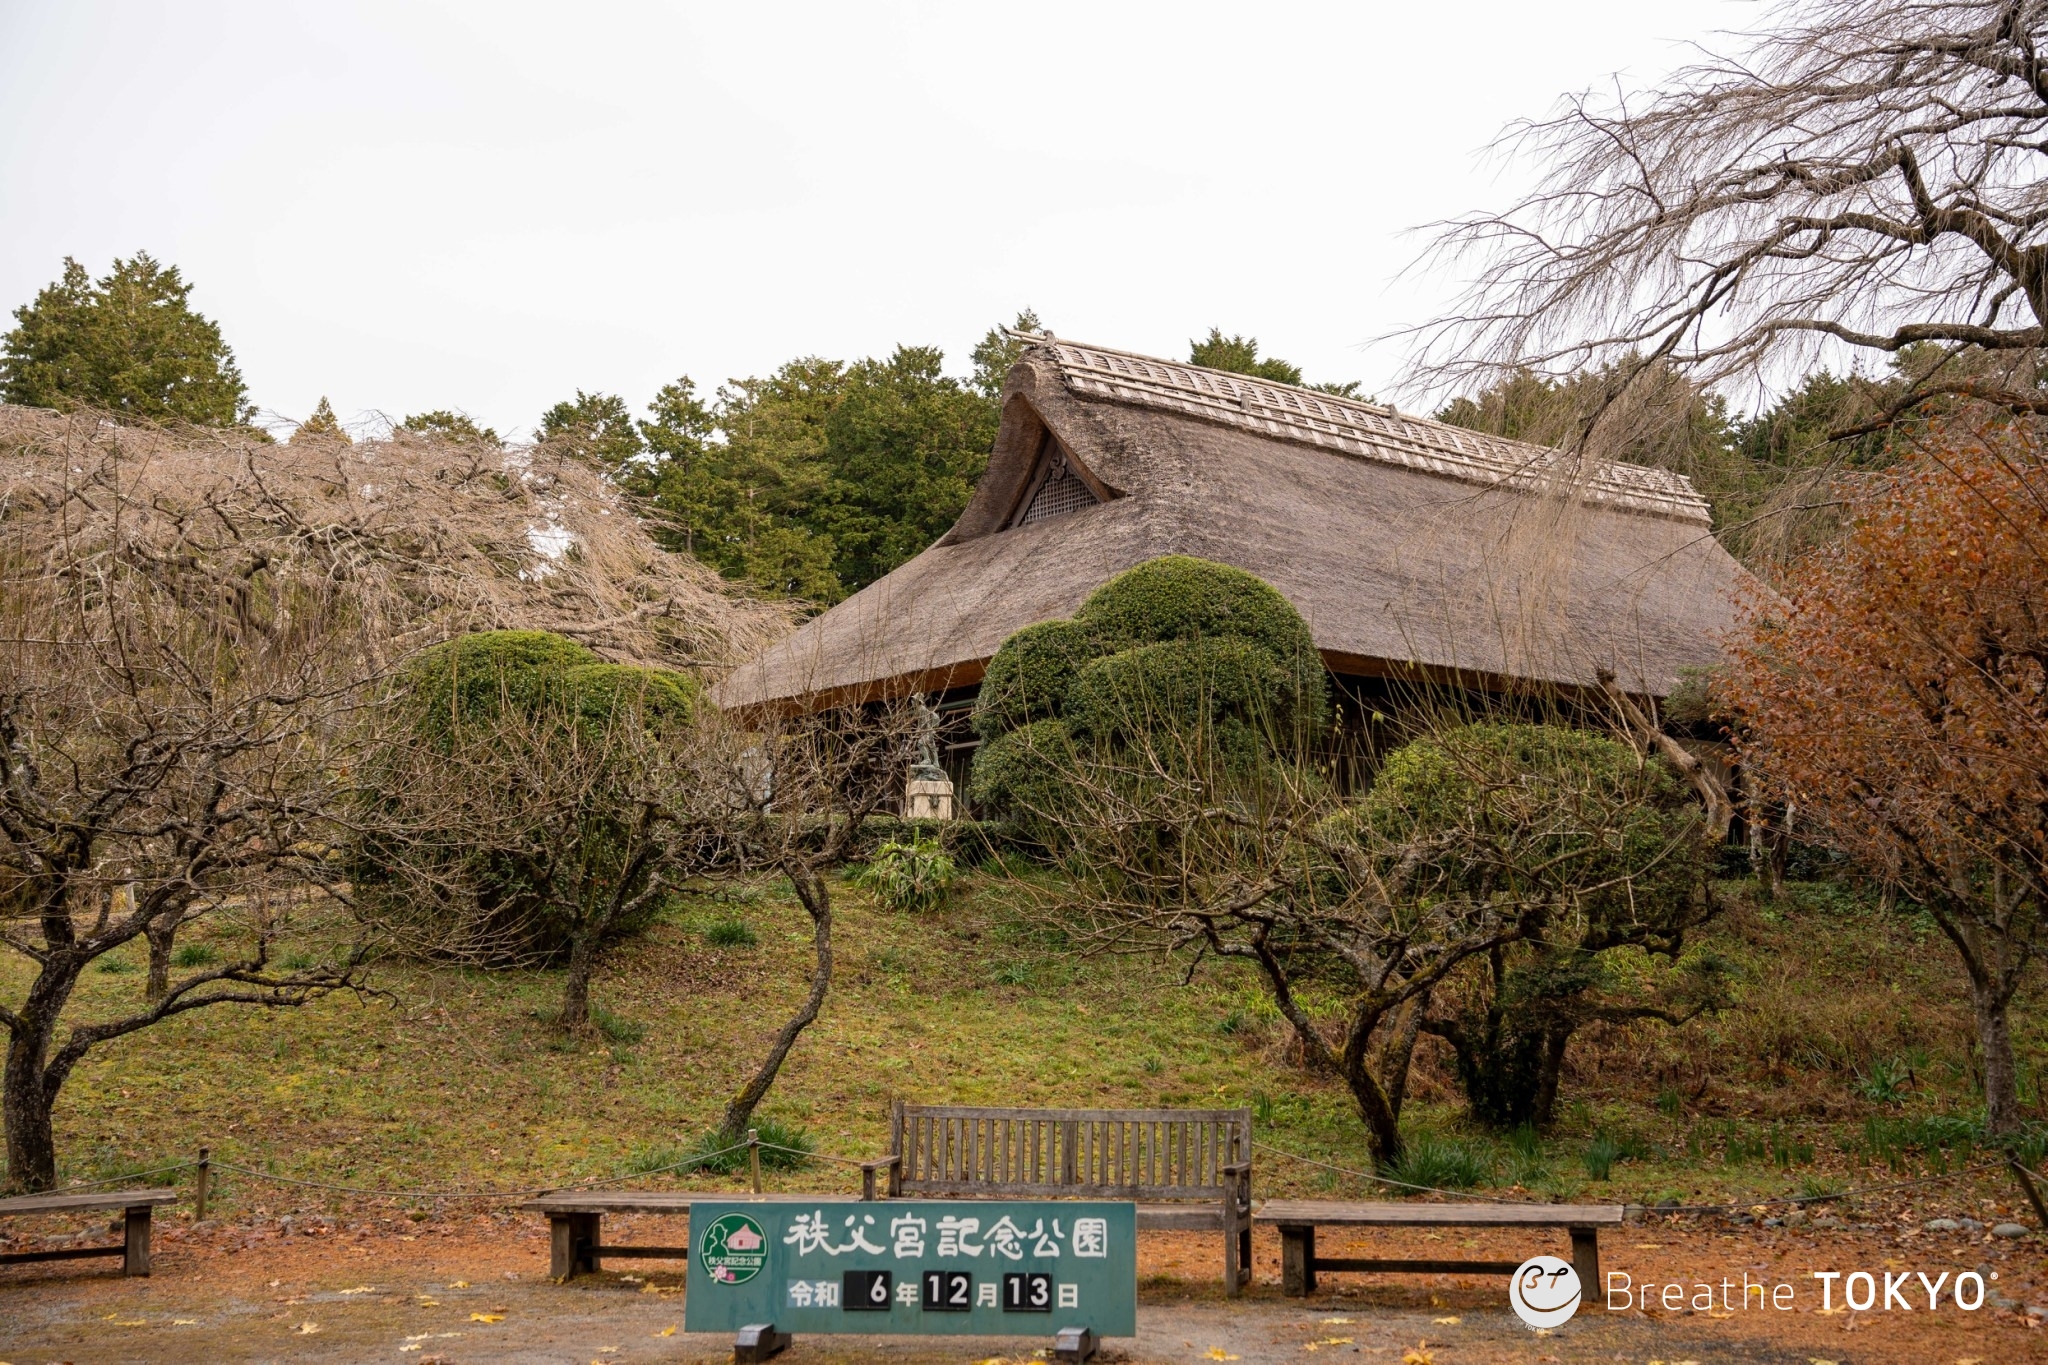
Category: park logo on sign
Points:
column 1544, row 1291
column 734, row 1249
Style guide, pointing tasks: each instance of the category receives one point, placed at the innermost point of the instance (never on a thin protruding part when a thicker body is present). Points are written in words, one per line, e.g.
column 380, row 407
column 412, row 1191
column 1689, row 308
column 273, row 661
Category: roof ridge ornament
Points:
column 1370, row 431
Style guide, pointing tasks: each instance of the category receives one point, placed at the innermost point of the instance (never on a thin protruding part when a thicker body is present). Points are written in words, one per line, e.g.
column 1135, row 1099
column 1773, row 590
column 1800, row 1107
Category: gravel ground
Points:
column 476, row 1291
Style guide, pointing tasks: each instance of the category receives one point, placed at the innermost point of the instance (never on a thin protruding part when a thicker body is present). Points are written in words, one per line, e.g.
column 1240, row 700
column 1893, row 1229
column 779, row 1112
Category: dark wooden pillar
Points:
column 1586, row 1261
column 573, row 1243
column 1297, row 1260
column 135, row 1255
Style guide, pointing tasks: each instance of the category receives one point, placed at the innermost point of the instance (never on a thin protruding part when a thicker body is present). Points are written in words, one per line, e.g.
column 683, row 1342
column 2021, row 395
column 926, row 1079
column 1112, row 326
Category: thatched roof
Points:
column 1412, row 548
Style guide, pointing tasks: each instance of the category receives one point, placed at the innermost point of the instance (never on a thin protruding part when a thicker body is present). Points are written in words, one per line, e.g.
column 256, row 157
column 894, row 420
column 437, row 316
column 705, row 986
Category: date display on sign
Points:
column 1027, row 1293
column 866, row 1291
column 948, row 1291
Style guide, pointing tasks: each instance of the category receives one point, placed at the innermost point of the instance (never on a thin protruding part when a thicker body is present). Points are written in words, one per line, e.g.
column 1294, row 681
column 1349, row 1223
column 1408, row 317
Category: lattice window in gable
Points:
column 1061, row 492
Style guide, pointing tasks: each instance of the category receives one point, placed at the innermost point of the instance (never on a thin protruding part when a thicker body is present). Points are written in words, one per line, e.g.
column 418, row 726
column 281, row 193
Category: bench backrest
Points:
column 944, row 1149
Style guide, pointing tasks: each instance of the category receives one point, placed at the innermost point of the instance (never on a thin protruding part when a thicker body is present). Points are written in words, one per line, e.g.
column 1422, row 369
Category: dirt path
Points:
column 476, row 1290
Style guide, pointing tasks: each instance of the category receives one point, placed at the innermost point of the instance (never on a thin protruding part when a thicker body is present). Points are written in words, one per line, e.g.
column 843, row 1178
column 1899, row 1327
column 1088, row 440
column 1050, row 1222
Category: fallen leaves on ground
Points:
column 667, row 1331
column 307, row 1329
column 1420, row 1355
column 1446, row 1322
column 486, row 1317
column 359, row 1289
column 1218, row 1353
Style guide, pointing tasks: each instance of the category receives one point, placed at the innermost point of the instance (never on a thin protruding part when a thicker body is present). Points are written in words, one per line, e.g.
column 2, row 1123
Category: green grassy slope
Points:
column 456, row 1081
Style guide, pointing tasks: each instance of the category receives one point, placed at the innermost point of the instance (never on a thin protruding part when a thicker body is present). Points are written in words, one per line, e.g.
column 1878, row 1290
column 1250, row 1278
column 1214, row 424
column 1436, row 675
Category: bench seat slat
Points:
column 655, row 1201
column 1322, row 1213
column 98, row 1199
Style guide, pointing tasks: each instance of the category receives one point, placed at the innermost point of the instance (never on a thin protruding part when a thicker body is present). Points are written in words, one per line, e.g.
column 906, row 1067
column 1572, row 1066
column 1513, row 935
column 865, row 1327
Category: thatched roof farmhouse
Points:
column 1415, row 550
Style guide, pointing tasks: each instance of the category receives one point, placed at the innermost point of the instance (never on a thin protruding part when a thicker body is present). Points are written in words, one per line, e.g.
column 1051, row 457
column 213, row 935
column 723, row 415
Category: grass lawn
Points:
column 1849, row 1052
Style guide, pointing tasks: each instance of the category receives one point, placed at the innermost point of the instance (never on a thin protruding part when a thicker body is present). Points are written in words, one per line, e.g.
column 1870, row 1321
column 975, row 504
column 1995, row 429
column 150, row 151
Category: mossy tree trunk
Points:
column 816, row 898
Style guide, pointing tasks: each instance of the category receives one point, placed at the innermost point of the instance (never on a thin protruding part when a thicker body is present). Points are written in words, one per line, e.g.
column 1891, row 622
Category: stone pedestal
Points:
column 928, row 797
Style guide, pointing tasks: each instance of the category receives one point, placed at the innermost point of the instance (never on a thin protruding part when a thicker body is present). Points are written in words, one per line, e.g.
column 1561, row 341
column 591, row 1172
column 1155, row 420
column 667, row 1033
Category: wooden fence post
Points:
column 754, row 1155
column 205, row 1179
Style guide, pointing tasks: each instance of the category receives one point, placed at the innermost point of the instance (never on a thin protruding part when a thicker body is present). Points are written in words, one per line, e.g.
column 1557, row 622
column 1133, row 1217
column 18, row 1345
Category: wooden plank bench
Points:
column 576, row 1224
column 133, row 1249
column 1298, row 1220
column 1186, row 1169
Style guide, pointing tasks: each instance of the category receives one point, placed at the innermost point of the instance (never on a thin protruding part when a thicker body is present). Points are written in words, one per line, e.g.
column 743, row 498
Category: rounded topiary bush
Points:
column 1184, row 656
column 657, row 697
column 1030, row 675
column 476, row 676
column 506, row 708
column 1178, row 597
column 1020, row 775
column 1178, row 686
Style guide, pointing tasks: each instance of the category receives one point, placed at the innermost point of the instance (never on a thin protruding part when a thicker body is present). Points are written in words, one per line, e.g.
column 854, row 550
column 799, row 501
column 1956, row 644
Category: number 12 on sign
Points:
column 948, row 1291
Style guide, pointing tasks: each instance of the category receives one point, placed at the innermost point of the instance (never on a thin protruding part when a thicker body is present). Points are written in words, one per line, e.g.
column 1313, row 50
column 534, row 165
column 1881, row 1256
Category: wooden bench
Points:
column 1298, row 1220
column 1186, row 1169
column 133, row 1249
column 576, row 1224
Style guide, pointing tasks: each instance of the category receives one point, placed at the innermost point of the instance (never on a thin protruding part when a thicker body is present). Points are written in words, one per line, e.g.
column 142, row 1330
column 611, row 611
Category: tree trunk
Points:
column 1382, row 1124
column 2001, row 1075
column 161, row 933
column 25, row 1096
column 817, row 900
column 1400, row 1054
column 576, row 990
column 1558, row 1038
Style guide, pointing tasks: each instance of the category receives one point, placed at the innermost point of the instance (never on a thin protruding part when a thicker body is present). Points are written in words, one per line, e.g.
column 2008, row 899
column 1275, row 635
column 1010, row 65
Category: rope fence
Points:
column 1731, row 1206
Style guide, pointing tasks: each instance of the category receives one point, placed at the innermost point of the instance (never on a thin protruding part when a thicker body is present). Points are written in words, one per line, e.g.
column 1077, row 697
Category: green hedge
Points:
column 1019, row 773
column 1030, row 675
column 1177, row 597
column 450, row 694
column 659, row 696
column 473, row 676
column 1175, row 644
column 1181, row 685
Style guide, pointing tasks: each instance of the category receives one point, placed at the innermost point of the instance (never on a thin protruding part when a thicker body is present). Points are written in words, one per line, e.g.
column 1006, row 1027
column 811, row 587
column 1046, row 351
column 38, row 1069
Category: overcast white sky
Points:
column 418, row 205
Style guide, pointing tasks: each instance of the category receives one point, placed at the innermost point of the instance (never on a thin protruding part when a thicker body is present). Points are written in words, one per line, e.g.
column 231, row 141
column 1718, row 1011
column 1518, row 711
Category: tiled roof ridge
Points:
column 1364, row 430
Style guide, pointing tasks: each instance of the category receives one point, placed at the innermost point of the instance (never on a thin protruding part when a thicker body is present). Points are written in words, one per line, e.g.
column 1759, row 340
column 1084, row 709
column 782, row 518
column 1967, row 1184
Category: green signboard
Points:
column 966, row 1268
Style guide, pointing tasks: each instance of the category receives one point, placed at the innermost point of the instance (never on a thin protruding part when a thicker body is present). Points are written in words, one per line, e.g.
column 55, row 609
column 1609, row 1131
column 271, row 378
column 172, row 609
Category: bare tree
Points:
column 792, row 795
column 532, row 833
column 1868, row 175
column 1177, row 839
column 173, row 699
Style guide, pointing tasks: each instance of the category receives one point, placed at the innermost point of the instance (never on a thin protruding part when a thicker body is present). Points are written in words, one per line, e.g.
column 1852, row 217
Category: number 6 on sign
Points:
column 1027, row 1293
column 866, row 1291
column 948, row 1291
